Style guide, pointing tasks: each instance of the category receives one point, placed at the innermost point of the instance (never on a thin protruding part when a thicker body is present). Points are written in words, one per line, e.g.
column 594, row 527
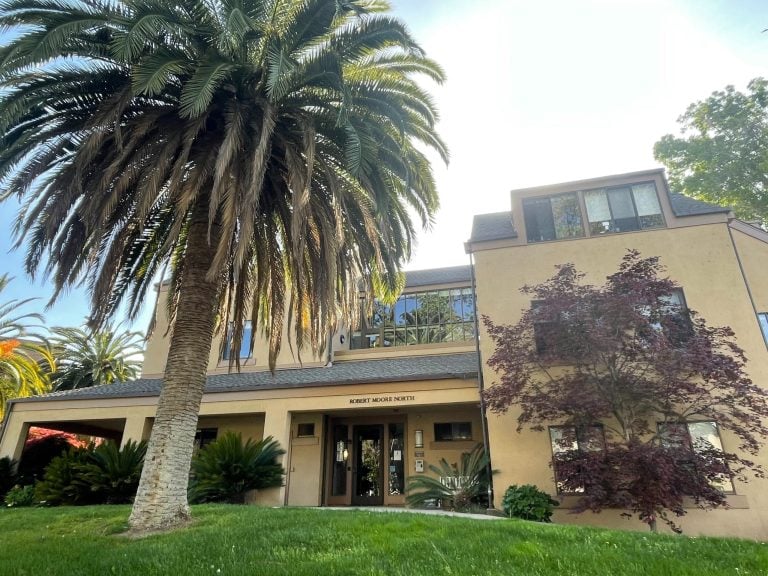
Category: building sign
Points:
column 382, row 399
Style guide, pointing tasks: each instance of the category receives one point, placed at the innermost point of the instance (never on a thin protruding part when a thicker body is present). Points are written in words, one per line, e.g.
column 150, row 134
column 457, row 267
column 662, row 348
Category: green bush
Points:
column 226, row 469
column 113, row 473
column 62, row 482
column 529, row 503
column 462, row 487
column 103, row 474
column 20, row 496
column 8, row 477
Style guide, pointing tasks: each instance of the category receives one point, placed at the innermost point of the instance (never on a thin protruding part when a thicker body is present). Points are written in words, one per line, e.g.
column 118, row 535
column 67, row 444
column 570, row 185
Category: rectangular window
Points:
column 449, row 431
column 763, row 319
column 553, row 218
column 204, row 436
column 429, row 317
column 306, row 429
column 623, row 209
column 568, row 439
column 244, row 345
column 695, row 436
column 676, row 320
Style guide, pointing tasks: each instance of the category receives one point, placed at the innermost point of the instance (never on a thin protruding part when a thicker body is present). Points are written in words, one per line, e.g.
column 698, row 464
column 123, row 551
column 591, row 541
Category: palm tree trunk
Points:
column 161, row 500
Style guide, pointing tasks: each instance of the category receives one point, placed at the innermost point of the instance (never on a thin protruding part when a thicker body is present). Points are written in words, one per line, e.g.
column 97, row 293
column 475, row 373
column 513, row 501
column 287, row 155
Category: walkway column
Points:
column 277, row 423
column 14, row 436
column 136, row 429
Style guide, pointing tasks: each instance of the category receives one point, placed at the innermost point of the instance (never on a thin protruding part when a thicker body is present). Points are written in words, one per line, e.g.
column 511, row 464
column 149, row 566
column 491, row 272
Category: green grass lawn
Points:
column 246, row 540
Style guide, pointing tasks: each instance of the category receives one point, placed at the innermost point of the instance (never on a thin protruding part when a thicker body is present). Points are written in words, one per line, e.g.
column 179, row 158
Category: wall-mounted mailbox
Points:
column 419, row 465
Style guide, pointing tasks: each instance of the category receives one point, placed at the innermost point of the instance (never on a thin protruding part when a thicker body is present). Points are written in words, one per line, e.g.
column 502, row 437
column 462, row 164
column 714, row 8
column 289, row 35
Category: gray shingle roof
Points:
column 447, row 275
column 438, row 367
column 494, row 226
column 686, row 206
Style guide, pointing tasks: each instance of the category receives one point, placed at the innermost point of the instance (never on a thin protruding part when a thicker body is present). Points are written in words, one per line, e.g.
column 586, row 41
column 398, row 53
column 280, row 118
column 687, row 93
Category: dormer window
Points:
column 553, row 218
column 623, row 209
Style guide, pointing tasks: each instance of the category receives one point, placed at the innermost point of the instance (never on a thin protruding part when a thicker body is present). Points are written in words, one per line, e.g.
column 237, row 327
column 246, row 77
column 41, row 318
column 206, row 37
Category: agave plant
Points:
column 457, row 487
column 226, row 469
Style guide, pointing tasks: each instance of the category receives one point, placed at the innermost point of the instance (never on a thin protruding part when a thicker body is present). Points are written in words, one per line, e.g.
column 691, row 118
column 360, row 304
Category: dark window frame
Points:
column 454, row 432
column 534, row 235
column 205, row 436
column 579, row 436
column 612, row 227
column 401, row 324
column 308, row 430
column 689, row 443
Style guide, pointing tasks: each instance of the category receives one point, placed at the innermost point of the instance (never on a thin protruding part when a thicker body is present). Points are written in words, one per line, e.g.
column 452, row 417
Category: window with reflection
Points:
column 430, row 317
column 552, row 218
column 623, row 209
column 244, row 344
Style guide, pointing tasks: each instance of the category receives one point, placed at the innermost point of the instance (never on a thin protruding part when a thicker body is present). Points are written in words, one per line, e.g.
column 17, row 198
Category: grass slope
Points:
column 239, row 540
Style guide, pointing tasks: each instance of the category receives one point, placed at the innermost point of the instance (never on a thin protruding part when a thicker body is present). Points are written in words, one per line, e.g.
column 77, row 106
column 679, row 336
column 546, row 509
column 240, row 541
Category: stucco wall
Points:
column 702, row 260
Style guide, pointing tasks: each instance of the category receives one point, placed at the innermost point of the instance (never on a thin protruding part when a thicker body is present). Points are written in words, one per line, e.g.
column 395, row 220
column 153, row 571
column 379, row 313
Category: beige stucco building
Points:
column 404, row 386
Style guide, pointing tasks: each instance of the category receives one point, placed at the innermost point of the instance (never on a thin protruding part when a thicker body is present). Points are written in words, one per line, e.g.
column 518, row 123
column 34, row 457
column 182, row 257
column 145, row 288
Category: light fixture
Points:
column 345, row 453
column 418, row 438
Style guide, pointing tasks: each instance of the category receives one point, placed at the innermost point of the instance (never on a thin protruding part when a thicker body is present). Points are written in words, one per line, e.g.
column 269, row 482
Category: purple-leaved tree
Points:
column 634, row 387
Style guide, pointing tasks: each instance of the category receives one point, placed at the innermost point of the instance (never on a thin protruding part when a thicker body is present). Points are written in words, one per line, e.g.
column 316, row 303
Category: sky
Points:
column 537, row 92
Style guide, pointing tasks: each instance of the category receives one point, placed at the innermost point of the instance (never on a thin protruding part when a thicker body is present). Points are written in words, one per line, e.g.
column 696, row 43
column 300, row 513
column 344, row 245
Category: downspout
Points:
column 744, row 277
column 481, row 387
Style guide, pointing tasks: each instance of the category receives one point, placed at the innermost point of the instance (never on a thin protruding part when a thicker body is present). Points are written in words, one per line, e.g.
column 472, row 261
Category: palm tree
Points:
column 25, row 360
column 90, row 358
column 273, row 151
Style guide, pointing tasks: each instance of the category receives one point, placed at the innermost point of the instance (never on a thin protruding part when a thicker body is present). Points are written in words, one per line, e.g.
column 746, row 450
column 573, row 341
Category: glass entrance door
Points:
column 368, row 465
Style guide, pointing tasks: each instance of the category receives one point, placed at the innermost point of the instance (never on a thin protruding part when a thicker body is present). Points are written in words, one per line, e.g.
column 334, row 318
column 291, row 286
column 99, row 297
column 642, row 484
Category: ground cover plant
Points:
column 247, row 540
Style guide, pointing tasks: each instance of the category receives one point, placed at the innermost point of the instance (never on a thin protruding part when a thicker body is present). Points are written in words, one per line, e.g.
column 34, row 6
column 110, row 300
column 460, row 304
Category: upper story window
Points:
column 430, row 317
column 763, row 319
column 553, row 218
column 244, row 344
column 623, row 209
column 698, row 437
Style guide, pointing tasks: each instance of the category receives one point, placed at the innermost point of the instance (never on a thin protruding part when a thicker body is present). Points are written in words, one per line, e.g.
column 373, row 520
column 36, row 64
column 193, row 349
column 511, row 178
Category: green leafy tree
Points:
column 722, row 155
column 90, row 358
column 25, row 360
column 271, row 150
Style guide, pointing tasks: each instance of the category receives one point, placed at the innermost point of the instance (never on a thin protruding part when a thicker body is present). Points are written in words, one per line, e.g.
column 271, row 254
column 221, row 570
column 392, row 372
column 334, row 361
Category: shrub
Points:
column 529, row 503
column 62, row 482
column 226, row 469
column 113, row 473
column 20, row 496
column 41, row 447
column 102, row 474
column 461, row 487
column 8, row 478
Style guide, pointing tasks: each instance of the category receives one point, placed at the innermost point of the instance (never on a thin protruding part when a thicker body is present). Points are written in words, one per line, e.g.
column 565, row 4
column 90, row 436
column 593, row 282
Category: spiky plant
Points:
column 271, row 150
column 460, row 486
column 224, row 470
column 25, row 360
column 93, row 357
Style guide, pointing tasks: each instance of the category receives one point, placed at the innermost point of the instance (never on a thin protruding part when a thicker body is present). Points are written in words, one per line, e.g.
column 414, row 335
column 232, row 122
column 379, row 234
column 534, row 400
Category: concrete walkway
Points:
column 429, row 512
